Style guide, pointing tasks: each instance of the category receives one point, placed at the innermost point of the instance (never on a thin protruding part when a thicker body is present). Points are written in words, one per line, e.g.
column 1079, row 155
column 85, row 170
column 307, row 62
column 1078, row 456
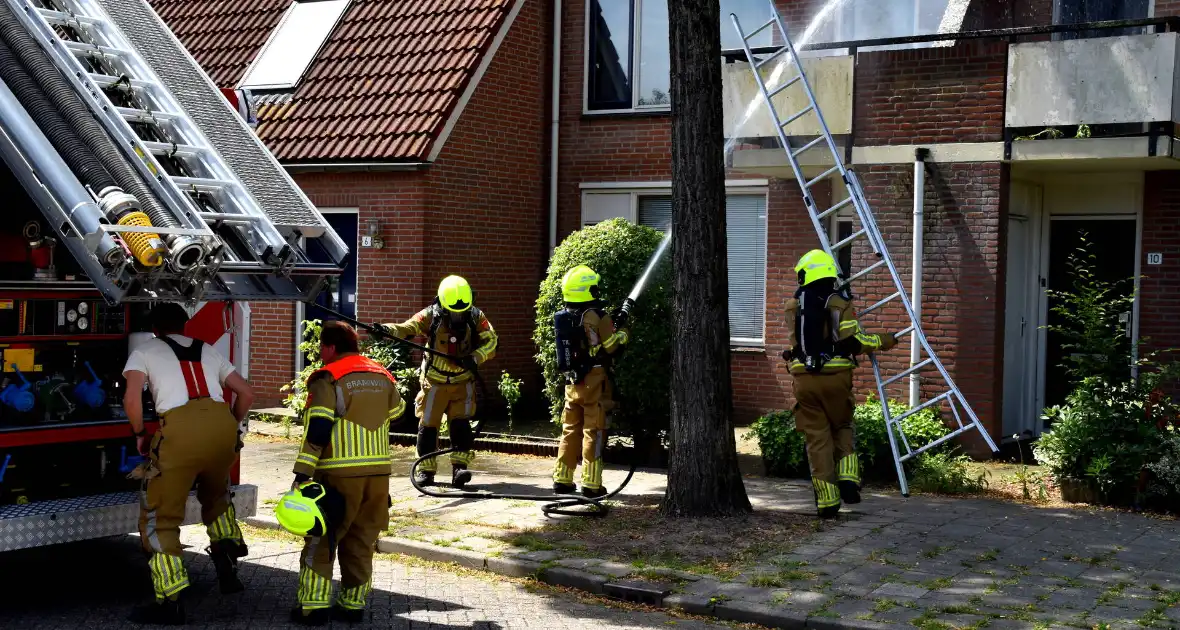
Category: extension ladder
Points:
column 203, row 164
column 950, row 393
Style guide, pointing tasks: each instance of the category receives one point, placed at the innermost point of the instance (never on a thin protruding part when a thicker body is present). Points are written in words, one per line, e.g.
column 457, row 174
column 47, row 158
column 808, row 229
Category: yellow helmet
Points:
column 455, row 294
column 816, row 265
column 299, row 510
column 580, row 285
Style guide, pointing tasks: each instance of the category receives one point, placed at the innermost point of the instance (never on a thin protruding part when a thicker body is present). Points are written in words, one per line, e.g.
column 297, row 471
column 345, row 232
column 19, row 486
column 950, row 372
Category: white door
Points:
column 1020, row 329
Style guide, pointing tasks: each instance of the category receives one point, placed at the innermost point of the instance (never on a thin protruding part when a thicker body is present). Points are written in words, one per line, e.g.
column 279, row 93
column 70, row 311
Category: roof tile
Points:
column 380, row 89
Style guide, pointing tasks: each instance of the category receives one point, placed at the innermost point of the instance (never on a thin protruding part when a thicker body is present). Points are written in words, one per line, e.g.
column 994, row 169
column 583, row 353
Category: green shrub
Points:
column 945, row 473
column 782, row 446
column 394, row 357
column 510, row 390
column 619, row 251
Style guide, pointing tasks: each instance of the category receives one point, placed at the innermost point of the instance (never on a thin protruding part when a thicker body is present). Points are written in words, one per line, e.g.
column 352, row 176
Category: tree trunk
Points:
column 703, row 476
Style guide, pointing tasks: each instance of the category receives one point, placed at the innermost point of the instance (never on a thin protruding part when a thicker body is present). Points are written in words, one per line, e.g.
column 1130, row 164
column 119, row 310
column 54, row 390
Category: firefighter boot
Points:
column 564, row 488
column 350, row 615
column 427, row 443
column 316, row 617
column 593, row 493
column 167, row 612
column 460, row 476
column 849, row 492
column 225, row 554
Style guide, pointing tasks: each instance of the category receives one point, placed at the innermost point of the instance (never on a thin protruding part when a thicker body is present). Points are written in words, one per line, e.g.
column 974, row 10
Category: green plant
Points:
column 395, row 358
column 1024, row 476
column 947, row 474
column 782, row 446
column 1167, row 467
column 510, row 390
column 872, row 443
column 619, row 252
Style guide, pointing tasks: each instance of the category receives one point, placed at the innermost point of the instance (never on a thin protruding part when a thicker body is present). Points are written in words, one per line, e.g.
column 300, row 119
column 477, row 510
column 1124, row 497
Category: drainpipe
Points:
column 555, row 125
column 920, row 156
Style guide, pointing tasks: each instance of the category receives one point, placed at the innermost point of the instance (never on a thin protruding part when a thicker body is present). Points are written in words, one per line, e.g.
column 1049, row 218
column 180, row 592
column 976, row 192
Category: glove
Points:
column 299, row 479
column 888, row 342
column 469, row 363
column 143, row 444
column 787, row 356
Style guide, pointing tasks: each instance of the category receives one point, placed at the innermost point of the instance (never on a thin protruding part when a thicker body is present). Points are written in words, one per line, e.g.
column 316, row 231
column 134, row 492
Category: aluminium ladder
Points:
column 950, row 393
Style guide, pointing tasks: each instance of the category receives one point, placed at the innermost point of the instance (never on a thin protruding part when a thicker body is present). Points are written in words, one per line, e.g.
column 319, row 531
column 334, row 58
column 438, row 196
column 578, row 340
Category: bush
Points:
column 945, row 473
column 619, row 251
column 784, row 449
column 1167, row 468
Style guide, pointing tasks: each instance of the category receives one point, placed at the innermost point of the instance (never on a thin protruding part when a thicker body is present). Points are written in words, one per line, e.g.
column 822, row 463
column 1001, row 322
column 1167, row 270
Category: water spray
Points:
column 624, row 313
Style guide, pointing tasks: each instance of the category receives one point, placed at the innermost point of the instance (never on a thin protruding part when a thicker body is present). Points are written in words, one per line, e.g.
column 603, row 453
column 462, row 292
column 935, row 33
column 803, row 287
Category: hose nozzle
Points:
column 124, row 209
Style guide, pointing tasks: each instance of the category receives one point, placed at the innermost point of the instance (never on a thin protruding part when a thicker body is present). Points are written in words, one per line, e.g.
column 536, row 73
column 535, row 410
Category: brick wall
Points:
column 1160, row 301
column 486, row 209
column 272, row 350
column 1164, row 8
column 953, row 94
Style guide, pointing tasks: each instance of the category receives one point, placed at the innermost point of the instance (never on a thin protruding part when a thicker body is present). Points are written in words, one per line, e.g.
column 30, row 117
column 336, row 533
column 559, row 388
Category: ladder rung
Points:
column 778, row 90
column 904, row 331
column 167, row 148
column 881, row 303
column 142, row 115
column 759, row 30
column 824, row 175
column 106, row 80
column 229, row 218
column 775, row 55
column 866, row 271
column 906, row 373
column 809, row 145
column 61, row 17
column 913, row 410
column 202, row 183
column 796, row 116
column 91, row 49
column 848, row 240
column 949, row 436
column 834, row 209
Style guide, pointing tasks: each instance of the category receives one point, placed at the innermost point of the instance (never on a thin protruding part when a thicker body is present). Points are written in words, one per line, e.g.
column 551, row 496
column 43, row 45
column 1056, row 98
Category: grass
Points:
column 884, row 605
column 1113, row 592
column 780, row 579
column 988, row 556
column 937, row 551
column 938, row 584
column 530, row 542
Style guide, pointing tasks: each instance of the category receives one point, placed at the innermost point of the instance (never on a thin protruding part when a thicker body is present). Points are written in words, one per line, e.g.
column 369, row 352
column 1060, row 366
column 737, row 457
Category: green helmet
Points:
column 299, row 510
column 455, row 294
column 580, row 285
column 816, row 265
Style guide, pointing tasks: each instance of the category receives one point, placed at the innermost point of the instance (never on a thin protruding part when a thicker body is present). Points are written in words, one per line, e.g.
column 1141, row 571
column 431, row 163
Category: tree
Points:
column 703, row 475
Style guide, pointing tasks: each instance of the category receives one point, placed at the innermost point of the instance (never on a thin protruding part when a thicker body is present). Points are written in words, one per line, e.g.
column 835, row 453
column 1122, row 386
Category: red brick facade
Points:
column 1160, row 285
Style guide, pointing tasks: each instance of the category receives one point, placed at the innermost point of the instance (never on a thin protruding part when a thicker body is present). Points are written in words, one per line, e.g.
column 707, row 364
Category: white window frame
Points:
column 301, row 307
column 274, row 34
column 637, row 190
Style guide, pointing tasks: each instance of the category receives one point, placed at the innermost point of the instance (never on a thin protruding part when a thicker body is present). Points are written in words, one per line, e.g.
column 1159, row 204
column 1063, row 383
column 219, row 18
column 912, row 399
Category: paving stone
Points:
column 613, row 569
column 774, row 617
column 898, row 615
column 691, row 604
column 579, row 563
column 1133, row 603
column 901, row 591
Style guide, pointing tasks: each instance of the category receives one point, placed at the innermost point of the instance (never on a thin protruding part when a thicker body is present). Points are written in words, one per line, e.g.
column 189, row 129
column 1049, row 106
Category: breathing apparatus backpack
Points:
column 573, row 353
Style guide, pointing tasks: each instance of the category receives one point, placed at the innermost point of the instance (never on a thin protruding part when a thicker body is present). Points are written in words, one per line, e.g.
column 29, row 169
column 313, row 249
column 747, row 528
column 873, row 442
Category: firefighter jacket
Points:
column 602, row 339
column 350, row 403
column 477, row 339
column 823, row 326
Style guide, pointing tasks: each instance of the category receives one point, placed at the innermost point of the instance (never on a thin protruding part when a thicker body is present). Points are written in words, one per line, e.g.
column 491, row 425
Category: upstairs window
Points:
column 628, row 60
column 293, row 44
column 879, row 19
column 1082, row 11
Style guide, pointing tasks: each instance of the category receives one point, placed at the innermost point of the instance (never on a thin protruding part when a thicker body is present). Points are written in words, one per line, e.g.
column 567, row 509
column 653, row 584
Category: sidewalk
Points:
column 925, row 562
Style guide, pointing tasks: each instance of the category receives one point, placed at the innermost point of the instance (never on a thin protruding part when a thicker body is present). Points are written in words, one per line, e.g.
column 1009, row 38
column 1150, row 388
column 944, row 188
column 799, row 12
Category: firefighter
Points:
column 586, row 340
column 198, row 441
column 452, row 325
column 825, row 339
column 350, row 403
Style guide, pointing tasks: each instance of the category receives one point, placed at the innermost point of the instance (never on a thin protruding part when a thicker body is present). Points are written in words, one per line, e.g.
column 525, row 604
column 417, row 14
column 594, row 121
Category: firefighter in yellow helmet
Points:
column 452, row 325
column 586, row 340
column 825, row 339
column 345, row 450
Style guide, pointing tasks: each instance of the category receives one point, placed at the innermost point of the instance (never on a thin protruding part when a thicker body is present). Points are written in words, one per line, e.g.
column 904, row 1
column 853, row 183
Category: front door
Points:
column 1020, row 413
column 340, row 294
column 1112, row 244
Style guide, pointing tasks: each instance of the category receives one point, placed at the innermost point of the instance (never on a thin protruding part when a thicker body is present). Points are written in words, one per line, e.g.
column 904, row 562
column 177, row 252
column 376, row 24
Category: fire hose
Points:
column 553, row 504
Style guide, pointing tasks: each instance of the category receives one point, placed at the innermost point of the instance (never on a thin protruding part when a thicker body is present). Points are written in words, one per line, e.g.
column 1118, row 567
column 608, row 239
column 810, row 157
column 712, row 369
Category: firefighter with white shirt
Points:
column 197, row 442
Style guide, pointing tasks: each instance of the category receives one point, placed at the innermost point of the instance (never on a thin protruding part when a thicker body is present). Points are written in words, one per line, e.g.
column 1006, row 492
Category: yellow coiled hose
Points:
column 147, row 247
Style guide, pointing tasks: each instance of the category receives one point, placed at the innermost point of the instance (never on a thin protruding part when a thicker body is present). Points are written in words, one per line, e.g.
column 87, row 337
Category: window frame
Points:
column 744, row 187
column 274, row 34
column 635, row 37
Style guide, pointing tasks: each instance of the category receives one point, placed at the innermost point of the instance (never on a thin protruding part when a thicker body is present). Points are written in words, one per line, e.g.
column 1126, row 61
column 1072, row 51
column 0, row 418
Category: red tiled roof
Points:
column 381, row 88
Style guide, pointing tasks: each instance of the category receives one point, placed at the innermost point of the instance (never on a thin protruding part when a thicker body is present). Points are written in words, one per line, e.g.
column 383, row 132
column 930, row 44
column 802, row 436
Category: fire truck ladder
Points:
column 950, row 393
column 227, row 197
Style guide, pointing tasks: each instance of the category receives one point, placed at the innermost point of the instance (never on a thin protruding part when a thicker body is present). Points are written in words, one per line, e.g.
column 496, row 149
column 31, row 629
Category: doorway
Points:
column 341, row 293
column 1112, row 244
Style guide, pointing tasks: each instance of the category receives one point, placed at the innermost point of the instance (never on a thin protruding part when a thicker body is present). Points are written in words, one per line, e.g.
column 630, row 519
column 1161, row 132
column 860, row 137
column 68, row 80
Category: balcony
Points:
column 1111, row 101
column 748, row 122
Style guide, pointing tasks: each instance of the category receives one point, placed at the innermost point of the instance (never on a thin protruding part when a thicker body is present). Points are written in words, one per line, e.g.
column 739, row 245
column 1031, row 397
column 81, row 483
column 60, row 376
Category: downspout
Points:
column 920, row 156
column 555, row 125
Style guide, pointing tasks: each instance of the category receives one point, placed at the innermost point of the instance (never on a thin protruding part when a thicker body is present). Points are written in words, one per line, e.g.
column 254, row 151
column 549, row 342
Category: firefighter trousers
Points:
column 196, row 443
column 353, row 540
column 583, row 421
column 457, row 402
column 824, row 405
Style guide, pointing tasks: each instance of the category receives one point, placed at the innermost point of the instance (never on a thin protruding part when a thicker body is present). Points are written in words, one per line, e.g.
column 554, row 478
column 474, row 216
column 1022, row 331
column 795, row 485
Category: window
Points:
column 628, row 63
column 895, row 18
column 293, row 44
column 1081, row 11
column 745, row 218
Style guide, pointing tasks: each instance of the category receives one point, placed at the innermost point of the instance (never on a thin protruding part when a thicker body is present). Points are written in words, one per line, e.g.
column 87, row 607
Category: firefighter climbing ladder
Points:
column 950, row 393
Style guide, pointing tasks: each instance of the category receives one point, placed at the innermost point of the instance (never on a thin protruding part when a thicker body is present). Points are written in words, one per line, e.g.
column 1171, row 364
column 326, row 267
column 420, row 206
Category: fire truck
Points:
column 129, row 179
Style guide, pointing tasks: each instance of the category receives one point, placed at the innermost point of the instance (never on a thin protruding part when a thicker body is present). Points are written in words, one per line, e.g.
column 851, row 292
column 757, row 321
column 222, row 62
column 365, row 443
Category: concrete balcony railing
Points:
column 746, row 116
column 1129, row 79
